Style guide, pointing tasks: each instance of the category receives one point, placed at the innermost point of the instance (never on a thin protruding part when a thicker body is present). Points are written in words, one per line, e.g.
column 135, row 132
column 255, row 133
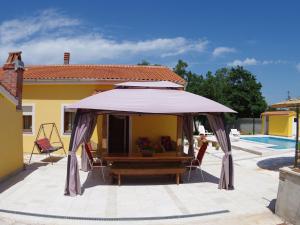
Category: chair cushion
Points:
column 88, row 148
column 202, row 151
column 143, row 142
column 166, row 143
column 52, row 149
column 45, row 146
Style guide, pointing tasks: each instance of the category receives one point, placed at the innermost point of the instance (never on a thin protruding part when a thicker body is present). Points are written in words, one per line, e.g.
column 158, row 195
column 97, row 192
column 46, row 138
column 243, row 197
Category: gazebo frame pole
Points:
column 297, row 137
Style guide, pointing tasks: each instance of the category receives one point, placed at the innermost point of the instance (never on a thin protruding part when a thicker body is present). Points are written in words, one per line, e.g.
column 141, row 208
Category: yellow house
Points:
column 11, row 154
column 48, row 90
column 279, row 123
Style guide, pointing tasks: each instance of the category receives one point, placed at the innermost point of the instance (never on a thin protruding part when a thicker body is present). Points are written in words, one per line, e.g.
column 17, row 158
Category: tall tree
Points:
column 194, row 83
column 147, row 63
column 144, row 63
column 181, row 69
column 214, row 86
column 243, row 93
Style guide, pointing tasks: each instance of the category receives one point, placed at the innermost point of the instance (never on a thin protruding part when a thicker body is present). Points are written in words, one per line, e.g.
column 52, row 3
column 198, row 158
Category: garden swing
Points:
column 44, row 144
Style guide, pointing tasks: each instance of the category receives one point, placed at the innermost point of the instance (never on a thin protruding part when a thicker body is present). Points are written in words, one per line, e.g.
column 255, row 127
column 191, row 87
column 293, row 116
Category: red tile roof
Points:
column 101, row 72
column 8, row 89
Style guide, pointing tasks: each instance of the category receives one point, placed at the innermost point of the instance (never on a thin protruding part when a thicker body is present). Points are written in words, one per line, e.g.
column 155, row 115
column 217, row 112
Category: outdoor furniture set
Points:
column 150, row 161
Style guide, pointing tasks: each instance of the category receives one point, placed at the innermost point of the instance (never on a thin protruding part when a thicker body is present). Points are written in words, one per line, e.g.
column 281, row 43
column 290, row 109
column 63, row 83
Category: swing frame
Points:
column 42, row 130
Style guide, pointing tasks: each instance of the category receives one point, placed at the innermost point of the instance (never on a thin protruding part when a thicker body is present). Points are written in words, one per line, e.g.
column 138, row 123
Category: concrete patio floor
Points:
column 35, row 196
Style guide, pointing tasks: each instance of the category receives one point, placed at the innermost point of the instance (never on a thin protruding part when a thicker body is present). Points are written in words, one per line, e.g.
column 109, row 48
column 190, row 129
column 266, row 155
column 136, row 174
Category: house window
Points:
column 28, row 119
column 68, row 120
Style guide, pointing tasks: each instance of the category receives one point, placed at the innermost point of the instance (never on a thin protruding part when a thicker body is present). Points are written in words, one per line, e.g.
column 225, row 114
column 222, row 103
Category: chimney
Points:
column 66, row 58
column 13, row 76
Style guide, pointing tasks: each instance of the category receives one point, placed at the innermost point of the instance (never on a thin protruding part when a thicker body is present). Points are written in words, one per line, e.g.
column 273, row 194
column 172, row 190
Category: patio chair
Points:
column 234, row 135
column 235, row 132
column 199, row 140
column 166, row 144
column 197, row 161
column 202, row 130
column 94, row 163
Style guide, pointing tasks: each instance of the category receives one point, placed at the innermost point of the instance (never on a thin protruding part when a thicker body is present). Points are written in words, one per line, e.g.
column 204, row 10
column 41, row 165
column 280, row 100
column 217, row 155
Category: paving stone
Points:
column 6, row 221
column 40, row 190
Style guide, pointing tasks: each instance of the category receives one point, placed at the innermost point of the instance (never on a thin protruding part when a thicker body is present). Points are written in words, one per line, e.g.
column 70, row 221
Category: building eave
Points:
column 82, row 81
column 8, row 95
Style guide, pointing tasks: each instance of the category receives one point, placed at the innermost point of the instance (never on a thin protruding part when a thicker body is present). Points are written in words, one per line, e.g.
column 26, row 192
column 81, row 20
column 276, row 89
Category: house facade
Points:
column 11, row 154
column 279, row 123
column 48, row 90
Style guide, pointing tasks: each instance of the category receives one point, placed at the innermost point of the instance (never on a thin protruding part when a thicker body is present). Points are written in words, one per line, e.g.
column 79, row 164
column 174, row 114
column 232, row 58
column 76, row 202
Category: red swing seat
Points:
column 44, row 146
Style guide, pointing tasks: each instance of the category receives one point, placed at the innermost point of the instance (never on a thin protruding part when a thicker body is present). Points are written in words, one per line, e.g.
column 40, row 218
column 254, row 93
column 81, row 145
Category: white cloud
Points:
column 43, row 39
column 222, row 50
column 245, row 62
column 45, row 21
column 267, row 62
column 254, row 62
column 298, row 67
column 187, row 46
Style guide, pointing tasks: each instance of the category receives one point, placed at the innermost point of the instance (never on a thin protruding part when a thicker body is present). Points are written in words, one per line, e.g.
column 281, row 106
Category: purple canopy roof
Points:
column 157, row 101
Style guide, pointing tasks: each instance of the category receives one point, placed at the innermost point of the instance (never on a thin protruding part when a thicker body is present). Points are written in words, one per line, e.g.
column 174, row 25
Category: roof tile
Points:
column 8, row 89
column 101, row 72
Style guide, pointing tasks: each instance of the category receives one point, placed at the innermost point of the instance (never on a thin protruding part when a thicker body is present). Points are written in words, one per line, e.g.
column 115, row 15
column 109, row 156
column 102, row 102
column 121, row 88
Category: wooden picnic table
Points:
column 138, row 165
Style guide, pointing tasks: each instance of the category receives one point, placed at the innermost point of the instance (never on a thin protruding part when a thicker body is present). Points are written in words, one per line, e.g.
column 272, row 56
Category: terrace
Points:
column 36, row 195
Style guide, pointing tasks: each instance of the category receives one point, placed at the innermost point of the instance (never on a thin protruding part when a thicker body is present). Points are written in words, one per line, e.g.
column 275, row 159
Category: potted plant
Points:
column 147, row 151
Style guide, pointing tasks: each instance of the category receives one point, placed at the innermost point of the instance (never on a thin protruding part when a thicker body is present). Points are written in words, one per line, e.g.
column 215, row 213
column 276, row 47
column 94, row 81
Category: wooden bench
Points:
column 138, row 165
column 142, row 171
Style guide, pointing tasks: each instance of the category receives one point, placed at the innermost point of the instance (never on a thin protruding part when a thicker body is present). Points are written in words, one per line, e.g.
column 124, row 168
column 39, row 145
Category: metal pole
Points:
column 297, row 137
column 253, row 124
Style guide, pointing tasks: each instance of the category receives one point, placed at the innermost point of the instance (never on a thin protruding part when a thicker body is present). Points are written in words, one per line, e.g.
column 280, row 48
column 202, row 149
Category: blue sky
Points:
column 262, row 36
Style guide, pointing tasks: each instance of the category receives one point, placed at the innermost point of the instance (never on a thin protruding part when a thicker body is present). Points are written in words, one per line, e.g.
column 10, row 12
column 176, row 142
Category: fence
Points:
column 247, row 125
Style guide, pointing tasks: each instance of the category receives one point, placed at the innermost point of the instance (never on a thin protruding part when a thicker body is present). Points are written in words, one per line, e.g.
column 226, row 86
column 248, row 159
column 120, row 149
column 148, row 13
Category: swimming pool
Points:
column 279, row 143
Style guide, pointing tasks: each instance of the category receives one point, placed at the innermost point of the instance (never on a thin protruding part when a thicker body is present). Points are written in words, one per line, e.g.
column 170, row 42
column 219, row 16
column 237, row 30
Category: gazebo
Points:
column 292, row 104
column 148, row 98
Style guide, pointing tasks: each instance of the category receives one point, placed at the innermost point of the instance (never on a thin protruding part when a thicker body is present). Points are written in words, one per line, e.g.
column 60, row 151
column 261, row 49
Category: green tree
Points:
column 194, row 83
column 234, row 87
column 181, row 69
column 243, row 93
column 144, row 63
column 214, row 86
column 147, row 63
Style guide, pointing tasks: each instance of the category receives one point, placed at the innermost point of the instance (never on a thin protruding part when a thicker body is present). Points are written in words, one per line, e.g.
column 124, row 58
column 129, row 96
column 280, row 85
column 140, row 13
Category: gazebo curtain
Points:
column 83, row 126
column 188, row 132
column 217, row 124
column 85, row 165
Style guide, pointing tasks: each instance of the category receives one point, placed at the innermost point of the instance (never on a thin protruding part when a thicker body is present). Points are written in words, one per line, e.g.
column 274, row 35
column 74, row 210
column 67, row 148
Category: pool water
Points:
column 279, row 143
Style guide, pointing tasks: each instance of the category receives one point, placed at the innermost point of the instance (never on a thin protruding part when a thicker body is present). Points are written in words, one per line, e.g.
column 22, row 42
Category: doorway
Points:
column 118, row 134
